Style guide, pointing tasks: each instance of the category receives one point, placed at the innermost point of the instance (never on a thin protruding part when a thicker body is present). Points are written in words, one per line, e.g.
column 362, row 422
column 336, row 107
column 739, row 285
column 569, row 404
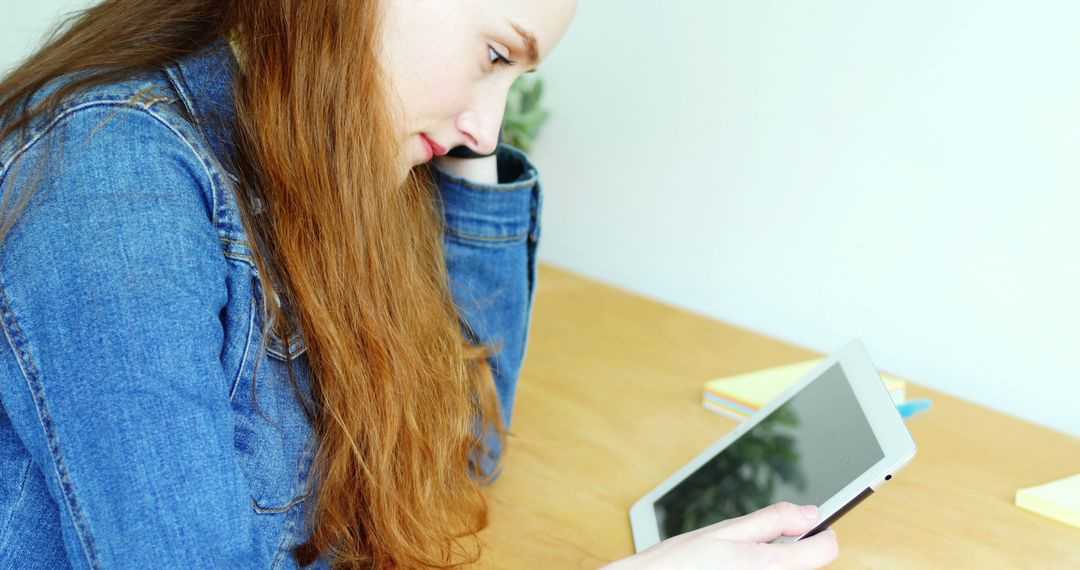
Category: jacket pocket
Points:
column 273, row 437
column 276, row 346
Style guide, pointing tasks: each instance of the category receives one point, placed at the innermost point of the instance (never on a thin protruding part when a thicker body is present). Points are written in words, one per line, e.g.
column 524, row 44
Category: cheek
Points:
column 439, row 88
column 432, row 56
column 434, row 78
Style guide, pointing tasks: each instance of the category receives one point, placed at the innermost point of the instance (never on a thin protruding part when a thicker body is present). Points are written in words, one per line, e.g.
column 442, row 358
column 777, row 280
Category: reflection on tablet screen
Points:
column 803, row 452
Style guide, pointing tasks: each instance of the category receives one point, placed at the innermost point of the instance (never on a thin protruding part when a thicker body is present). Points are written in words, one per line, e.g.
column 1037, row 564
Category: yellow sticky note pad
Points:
column 1059, row 500
column 742, row 395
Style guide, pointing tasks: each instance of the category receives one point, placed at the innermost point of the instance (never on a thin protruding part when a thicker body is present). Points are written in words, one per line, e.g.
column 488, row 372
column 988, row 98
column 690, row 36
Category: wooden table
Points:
column 610, row 405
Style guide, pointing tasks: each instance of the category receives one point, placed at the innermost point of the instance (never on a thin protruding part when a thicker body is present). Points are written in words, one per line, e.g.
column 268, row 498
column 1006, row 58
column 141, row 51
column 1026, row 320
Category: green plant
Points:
column 524, row 115
column 740, row 480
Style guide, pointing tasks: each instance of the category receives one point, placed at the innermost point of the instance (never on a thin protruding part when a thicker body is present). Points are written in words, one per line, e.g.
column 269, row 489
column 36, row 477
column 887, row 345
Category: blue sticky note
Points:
column 912, row 407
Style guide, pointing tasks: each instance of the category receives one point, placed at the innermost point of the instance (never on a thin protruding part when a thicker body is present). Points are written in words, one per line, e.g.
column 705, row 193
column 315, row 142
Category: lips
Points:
column 436, row 148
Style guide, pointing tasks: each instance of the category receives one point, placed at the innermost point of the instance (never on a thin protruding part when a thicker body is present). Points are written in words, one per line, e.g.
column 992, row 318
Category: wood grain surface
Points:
column 609, row 405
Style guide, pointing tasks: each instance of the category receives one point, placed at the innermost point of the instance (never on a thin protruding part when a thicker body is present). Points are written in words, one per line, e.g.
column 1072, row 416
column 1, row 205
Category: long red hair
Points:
column 401, row 398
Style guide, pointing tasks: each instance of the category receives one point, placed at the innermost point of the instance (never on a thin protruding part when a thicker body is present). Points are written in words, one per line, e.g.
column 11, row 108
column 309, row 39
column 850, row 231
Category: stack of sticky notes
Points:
column 742, row 395
column 1059, row 500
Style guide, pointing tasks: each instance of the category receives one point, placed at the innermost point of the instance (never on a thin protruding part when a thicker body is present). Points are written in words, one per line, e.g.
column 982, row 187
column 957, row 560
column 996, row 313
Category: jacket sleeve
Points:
column 111, row 290
column 491, row 235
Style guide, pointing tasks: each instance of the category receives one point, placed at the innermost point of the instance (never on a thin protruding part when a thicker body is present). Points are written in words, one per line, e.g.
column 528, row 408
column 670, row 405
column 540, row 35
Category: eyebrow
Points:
column 532, row 50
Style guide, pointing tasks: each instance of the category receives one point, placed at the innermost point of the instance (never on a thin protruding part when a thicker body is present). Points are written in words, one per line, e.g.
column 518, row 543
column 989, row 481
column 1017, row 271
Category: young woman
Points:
column 247, row 323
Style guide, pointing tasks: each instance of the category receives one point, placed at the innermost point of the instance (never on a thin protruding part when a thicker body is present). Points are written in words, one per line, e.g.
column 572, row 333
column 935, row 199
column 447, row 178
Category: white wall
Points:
column 905, row 172
column 23, row 26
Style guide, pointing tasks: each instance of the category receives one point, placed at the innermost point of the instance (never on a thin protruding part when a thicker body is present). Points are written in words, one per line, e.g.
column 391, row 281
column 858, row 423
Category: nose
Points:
column 481, row 122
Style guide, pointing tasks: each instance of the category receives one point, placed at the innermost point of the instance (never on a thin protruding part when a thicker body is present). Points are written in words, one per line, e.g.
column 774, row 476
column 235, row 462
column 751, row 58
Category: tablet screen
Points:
column 804, row 452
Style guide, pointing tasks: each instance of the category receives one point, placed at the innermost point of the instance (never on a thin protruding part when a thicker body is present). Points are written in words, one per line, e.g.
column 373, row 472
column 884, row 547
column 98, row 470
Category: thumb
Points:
column 814, row 552
column 765, row 525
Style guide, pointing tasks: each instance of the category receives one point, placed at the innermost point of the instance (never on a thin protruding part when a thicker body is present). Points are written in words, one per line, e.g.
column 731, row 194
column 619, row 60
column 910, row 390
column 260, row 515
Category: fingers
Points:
column 706, row 548
column 813, row 552
column 765, row 525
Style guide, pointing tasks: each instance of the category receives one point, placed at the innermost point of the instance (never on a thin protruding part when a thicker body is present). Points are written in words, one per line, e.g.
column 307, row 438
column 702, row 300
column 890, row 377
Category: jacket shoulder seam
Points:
column 147, row 106
column 16, row 339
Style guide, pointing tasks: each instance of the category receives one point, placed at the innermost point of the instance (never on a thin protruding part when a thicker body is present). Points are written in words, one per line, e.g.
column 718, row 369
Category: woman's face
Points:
column 451, row 63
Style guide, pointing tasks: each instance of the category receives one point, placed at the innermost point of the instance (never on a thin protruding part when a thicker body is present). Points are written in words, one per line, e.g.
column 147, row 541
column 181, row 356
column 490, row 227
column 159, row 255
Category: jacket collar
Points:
column 204, row 81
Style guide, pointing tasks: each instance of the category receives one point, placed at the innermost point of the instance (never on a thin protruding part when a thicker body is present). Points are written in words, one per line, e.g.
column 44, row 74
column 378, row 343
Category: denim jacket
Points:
column 131, row 317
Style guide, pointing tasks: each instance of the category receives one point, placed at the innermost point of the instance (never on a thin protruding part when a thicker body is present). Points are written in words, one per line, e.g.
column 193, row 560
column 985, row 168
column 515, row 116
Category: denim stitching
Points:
column 178, row 82
column 72, row 105
column 275, row 341
column 71, row 110
column 274, row 510
column 534, row 237
column 286, row 537
column 303, row 468
column 520, row 185
column 16, row 338
column 205, row 160
column 247, row 349
column 30, row 372
column 496, row 239
column 239, row 256
column 78, row 103
column 137, row 98
column 271, row 343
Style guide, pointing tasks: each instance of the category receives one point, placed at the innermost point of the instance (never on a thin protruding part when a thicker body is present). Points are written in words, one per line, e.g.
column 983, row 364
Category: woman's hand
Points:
column 743, row 543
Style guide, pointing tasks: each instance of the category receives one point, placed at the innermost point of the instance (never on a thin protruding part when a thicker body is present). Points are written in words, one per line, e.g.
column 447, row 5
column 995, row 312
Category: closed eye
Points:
column 496, row 58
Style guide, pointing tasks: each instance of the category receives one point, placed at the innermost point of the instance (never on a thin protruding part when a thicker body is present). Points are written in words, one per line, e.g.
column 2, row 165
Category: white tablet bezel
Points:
column 880, row 412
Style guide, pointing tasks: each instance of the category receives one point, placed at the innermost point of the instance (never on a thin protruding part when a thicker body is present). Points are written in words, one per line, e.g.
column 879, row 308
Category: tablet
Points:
column 830, row 440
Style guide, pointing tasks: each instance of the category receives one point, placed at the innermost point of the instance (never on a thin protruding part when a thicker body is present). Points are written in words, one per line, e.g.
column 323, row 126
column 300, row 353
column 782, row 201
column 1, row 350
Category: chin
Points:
column 406, row 170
